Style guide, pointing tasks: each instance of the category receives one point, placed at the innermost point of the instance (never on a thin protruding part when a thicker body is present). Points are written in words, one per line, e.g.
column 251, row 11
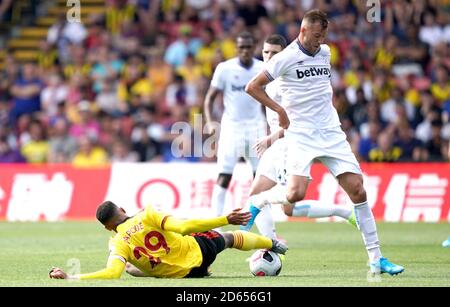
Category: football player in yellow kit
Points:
column 154, row 244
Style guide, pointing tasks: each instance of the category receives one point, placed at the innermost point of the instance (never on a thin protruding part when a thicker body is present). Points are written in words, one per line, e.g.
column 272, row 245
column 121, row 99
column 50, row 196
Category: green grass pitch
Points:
column 320, row 254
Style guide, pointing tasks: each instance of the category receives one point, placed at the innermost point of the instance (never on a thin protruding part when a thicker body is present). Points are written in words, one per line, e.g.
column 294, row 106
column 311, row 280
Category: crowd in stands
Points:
column 110, row 88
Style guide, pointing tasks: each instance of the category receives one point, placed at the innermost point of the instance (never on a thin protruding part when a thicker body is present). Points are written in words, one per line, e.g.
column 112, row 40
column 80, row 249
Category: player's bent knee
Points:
column 288, row 210
column 295, row 196
column 229, row 239
column 359, row 194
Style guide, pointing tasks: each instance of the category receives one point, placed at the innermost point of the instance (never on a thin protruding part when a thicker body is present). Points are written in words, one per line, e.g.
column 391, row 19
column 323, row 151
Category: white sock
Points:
column 218, row 199
column 264, row 222
column 368, row 228
column 316, row 209
column 276, row 195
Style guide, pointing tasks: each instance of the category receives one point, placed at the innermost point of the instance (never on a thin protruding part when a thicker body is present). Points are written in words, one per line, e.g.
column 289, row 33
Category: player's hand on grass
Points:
column 283, row 119
column 57, row 273
column 238, row 218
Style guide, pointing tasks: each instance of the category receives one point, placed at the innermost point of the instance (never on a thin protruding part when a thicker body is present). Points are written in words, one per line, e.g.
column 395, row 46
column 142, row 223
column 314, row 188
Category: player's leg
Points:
column 219, row 192
column 342, row 163
column 226, row 161
column 265, row 179
column 352, row 184
column 264, row 221
column 245, row 241
column 316, row 209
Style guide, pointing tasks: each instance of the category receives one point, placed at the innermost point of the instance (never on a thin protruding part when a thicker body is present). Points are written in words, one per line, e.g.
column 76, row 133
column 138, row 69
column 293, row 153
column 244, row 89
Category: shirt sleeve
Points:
column 118, row 257
column 190, row 226
column 277, row 66
column 113, row 270
column 170, row 223
column 218, row 81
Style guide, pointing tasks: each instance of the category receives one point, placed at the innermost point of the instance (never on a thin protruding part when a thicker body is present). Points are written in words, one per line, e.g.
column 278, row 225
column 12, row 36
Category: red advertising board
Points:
column 396, row 192
column 51, row 192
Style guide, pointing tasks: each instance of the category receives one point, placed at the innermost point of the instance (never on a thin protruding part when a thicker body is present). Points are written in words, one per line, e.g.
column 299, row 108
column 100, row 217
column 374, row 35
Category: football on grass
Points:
column 265, row 263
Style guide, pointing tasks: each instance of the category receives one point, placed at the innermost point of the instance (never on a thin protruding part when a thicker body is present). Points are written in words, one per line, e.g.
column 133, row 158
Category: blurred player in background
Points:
column 242, row 121
column 304, row 74
column 152, row 244
column 272, row 167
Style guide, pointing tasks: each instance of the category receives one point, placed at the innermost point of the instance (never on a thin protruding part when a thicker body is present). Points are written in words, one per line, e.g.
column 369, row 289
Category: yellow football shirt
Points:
column 156, row 244
column 143, row 241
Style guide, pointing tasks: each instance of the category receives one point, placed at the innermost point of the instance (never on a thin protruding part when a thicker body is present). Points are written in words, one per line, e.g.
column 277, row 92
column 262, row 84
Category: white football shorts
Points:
column 329, row 146
column 236, row 140
column 273, row 162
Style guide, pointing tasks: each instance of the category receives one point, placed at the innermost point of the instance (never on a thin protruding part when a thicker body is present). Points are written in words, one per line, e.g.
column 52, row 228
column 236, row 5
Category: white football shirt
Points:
column 304, row 85
column 231, row 78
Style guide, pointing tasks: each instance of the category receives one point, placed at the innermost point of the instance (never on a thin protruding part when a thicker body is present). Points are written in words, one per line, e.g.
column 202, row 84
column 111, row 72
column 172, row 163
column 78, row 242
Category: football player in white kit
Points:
column 243, row 119
column 272, row 151
column 312, row 130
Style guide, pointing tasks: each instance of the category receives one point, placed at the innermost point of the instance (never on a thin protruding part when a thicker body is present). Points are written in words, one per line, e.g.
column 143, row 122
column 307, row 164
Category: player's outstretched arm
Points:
column 199, row 225
column 255, row 88
column 208, row 106
column 112, row 271
column 267, row 141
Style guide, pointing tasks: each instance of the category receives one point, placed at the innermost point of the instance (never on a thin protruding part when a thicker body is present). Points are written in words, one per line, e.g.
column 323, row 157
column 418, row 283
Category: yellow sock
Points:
column 245, row 241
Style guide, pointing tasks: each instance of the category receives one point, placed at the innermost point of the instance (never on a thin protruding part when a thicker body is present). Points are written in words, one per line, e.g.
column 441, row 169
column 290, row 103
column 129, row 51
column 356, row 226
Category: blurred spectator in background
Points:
column 118, row 12
column 181, row 94
column 391, row 108
column 411, row 148
column 108, row 99
column 8, row 76
column 436, row 147
column 160, row 73
column 62, row 146
column 54, row 92
column 64, row 33
column 178, row 50
column 9, row 155
column 5, row 11
column 440, row 88
column 26, row 92
column 47, row 57
column 121, row 152
column 368, row 143
column 107, row 66
column 4, row 112
column 385, row 151
column 191, row 71
column 36, row 150
column 251, row 11
column 88, row 124
column 89, row 154
column 135, row 84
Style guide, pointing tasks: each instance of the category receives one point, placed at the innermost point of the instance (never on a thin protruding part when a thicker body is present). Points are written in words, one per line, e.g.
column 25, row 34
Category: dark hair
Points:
column 106, row 211
column 436, row 122
column 245, row 35
column 315, row 15
column 276, row 39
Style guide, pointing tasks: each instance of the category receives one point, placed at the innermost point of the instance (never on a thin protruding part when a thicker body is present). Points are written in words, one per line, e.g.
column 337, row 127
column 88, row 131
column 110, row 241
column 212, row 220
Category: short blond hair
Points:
column 316, row 15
